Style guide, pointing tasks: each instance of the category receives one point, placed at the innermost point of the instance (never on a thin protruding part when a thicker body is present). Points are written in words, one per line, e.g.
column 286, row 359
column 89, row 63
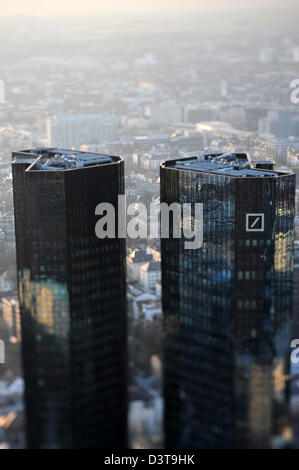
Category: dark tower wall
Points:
column 227, row 313
column 72, row 289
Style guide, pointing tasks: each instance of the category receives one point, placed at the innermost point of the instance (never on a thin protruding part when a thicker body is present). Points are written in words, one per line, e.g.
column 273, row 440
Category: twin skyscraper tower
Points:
column 227, row 309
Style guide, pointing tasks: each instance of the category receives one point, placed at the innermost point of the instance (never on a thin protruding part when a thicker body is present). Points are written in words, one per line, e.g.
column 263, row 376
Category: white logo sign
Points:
column 255, row 222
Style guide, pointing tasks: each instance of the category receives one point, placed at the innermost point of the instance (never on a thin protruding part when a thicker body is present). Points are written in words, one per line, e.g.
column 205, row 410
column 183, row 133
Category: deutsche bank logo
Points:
column 255, row 222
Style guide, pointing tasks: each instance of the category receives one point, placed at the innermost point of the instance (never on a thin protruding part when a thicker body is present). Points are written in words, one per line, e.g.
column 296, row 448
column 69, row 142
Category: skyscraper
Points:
column 227, row 306
column 72, row 290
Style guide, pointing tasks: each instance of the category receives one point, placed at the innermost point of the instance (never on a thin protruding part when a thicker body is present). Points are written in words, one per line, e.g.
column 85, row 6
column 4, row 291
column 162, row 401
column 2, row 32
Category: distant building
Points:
column 252, row 116
column 156, row 254
column 2, row 92
column 166, row 112
column 11, row 316
column 295, row 52
column 5, row 283
column 293, row 153
column 2, row 240
column 203, row 114
column 153, row 160
column 72, row 292
column 4, row 169
column 266, row 55
column 282, row 124
column 145, row 419
column 158, row 289
column 227, row 306
column 151, row 274
column 222, row 130
column 136, row 260
column 75, row 131
column 235, row 115
column 150, row 312
column 270, row 147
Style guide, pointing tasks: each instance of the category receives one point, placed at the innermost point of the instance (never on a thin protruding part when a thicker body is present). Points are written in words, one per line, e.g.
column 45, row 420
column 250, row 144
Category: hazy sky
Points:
column 40, row 7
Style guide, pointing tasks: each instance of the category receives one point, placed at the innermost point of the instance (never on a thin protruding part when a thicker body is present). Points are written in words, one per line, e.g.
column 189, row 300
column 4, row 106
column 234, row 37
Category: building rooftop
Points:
column 72, row 117
column 229, row 164
column 152, row 266
column 140, row 257
column 55, row 159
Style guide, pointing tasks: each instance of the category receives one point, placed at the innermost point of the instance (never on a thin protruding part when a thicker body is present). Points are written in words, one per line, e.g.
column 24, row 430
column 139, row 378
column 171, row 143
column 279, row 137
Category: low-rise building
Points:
column 151, row 274
column 11, row 316
column 135, row 261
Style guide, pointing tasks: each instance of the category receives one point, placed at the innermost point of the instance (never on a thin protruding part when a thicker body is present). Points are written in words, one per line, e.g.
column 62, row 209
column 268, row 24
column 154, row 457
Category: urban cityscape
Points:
column 183, row 108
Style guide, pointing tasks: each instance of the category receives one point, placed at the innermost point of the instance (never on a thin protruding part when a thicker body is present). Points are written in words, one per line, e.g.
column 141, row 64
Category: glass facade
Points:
column 227, row 311
column 72, row 289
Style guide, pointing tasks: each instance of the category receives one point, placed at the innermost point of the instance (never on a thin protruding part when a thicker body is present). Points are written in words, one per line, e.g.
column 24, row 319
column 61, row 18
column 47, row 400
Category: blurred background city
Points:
column 150, row 87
